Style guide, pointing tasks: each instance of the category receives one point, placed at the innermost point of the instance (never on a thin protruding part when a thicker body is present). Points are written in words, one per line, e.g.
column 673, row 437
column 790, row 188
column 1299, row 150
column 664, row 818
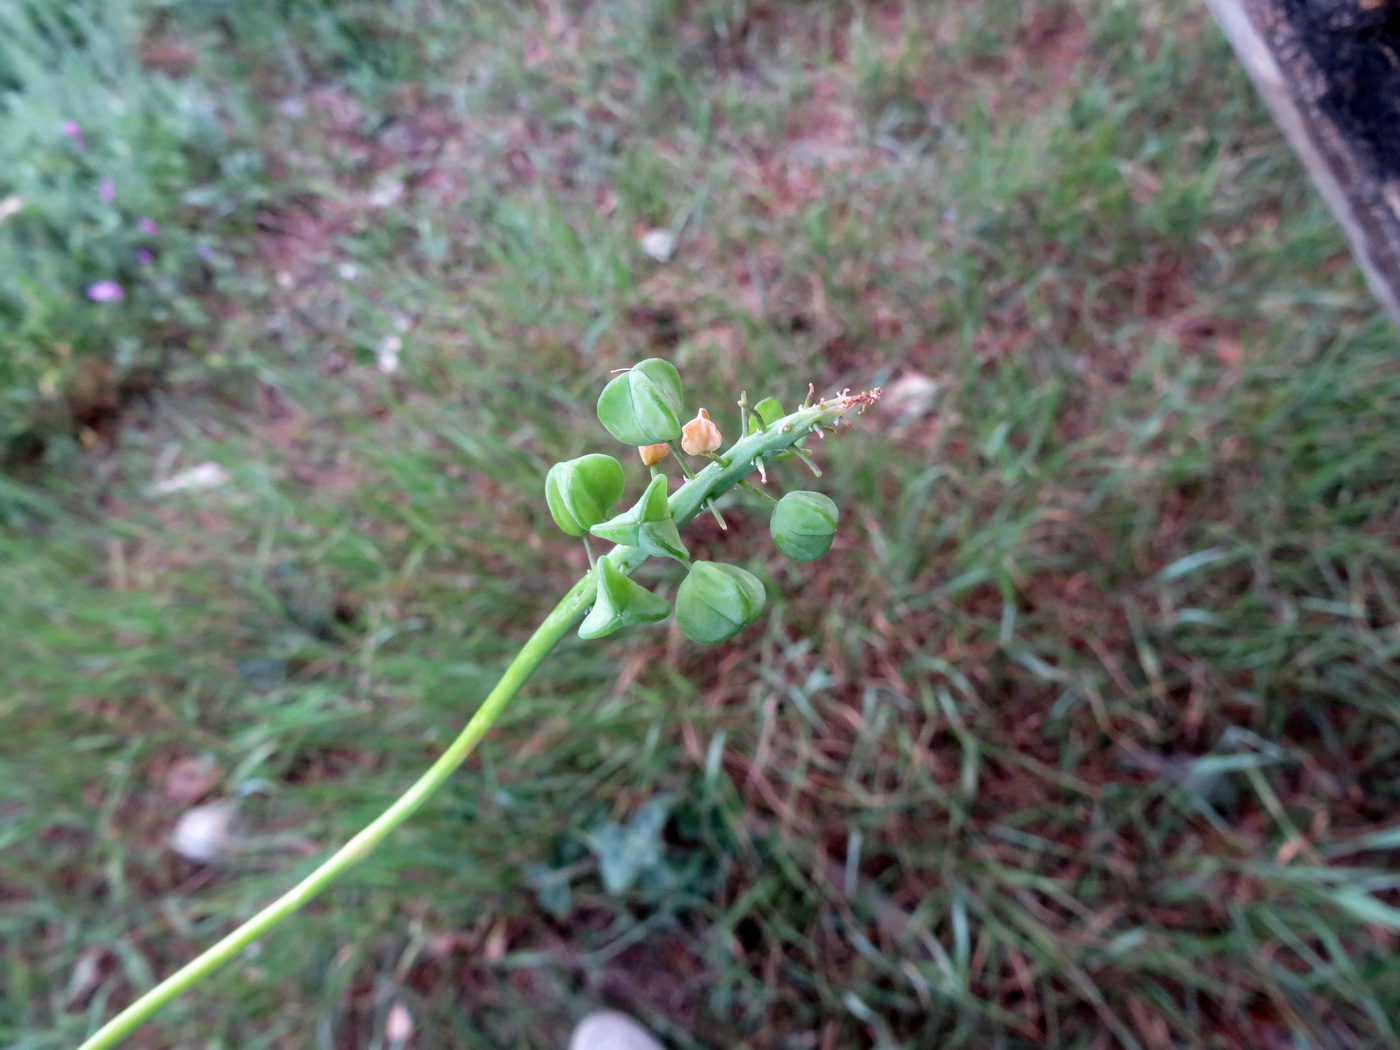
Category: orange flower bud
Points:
column 653, row 454
column 700, row 435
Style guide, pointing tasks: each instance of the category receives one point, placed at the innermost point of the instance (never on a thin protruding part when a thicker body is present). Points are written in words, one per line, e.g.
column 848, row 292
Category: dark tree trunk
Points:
column 1330, row 72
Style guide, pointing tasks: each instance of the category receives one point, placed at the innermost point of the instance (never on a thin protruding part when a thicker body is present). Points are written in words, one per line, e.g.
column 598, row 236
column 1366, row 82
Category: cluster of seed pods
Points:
column 644, row 407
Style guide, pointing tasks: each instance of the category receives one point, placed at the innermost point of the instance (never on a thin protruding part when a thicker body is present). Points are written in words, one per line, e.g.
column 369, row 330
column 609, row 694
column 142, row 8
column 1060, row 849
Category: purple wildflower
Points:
column 204, row 252
column 144, row 256
column 74, row 132
column 107, row 191
column 148, row 226
column 105, row 292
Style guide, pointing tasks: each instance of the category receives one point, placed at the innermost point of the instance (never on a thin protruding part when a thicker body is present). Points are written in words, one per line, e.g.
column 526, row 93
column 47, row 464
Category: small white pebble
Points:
column 399, row 1024
column 386, row 194
column 204, row 834
column 387, row 353
column 659, row 245
column 195, row 479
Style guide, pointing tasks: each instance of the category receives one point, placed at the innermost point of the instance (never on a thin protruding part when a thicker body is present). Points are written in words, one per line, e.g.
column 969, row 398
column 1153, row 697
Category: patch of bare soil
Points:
column 1055, row 42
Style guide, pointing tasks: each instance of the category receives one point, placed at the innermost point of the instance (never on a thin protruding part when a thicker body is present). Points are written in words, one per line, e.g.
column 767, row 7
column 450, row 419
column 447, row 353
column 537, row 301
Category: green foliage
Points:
column 116, row 182
column 634, row 852
column 1086, row 730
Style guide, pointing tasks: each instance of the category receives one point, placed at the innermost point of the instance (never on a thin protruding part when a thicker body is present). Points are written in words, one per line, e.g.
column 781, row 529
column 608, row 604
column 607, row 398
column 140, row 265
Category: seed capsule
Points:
column 647, row 525
column 700, row 435
column 643, row 405
column 581, row 492
column 765, row 414
column 717, row 601
column 803, row 524
column 621, row 602
column 654, row 454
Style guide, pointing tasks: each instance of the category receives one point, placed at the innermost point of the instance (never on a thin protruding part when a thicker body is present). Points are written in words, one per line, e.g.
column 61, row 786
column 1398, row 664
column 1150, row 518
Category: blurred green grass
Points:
column 118, row 171
column 1076, row 737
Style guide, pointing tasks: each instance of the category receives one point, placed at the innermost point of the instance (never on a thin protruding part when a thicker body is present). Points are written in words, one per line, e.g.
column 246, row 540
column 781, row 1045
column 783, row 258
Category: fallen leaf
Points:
column 911, row 396
column 87, row 975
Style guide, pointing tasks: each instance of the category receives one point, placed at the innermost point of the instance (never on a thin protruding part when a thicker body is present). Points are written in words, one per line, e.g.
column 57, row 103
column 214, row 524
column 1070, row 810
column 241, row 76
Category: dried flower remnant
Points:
column 700, row 435
column 845, row 401
column 653, row 454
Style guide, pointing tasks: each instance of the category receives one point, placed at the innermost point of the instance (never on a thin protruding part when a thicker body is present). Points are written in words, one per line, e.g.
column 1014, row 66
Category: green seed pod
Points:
column 647, row 525
column 717, row 601
column 581, row 492
column 643, row 406
column 621, row 602
column 803, row 524
column 769, row 411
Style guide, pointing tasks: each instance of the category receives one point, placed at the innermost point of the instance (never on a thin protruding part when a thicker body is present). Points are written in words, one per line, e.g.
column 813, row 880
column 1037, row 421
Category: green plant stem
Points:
column 556, row 625
column 751, row 487
column 679, row 453
column 717, row 477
